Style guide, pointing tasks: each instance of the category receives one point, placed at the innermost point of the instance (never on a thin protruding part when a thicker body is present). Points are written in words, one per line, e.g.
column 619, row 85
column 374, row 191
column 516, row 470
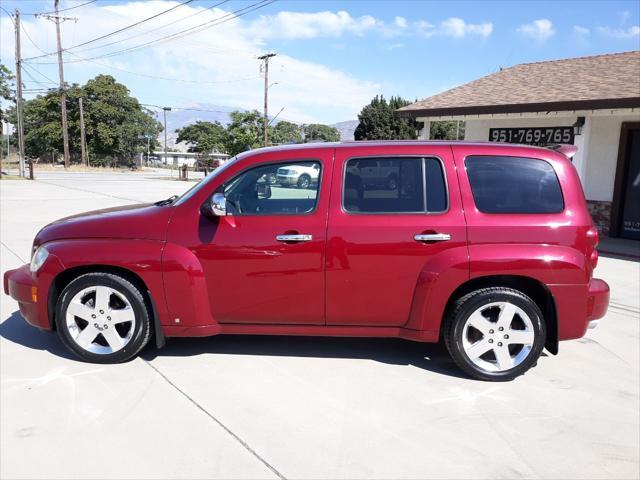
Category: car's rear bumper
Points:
column 597, row 301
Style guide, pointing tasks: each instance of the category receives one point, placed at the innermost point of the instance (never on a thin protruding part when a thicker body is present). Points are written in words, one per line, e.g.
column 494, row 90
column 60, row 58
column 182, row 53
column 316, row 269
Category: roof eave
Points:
column 570, row 105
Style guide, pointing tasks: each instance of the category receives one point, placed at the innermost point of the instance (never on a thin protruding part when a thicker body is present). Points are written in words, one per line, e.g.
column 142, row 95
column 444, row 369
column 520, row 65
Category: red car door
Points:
column 382, row 236
column 264, row 262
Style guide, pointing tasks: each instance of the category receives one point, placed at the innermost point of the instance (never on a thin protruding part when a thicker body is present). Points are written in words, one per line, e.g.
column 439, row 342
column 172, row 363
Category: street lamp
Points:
column 164, row 111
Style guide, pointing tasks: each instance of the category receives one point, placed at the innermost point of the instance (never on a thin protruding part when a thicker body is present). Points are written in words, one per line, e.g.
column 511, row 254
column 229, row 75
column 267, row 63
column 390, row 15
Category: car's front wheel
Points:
column 103, row 318
column 495, row 333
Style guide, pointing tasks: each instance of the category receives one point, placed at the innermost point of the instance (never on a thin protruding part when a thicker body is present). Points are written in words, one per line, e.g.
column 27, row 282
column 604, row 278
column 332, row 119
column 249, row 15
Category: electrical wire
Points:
column 196, row 29
column 33, row 69
column 153, row 29
column 139, row 22
column 156, row 77
column 63, row 10
column 30, row 39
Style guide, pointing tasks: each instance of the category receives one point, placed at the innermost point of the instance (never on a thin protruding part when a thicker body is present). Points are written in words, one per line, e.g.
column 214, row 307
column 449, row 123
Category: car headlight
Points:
column 38, row 259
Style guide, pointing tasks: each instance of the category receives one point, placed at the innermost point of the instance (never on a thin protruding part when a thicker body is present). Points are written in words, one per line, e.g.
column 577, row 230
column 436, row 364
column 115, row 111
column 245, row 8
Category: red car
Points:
column 487, row 247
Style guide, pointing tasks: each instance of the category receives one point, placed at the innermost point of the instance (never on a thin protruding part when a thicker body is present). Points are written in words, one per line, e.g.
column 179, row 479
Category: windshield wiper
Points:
column 167, row 201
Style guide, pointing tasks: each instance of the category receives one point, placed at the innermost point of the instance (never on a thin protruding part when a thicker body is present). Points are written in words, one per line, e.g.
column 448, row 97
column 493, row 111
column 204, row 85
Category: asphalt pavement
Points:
column 292, row 407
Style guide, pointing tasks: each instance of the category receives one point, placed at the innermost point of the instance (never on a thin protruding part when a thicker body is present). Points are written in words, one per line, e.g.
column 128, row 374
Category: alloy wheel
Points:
column 100, row 319
column 498, row 336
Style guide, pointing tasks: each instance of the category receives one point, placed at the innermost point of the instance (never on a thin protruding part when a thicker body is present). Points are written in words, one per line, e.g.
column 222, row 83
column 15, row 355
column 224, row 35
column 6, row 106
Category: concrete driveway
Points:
column 269, row 407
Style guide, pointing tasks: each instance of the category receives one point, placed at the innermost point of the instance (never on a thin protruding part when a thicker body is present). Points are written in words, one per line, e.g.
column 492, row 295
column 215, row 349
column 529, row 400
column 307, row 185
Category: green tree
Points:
column 446, row 130
column 315, row 132
column 6, row 86
column 244, row 132
column 204, row 137
column 115, row 122
column 286, row 132
column 378, row 121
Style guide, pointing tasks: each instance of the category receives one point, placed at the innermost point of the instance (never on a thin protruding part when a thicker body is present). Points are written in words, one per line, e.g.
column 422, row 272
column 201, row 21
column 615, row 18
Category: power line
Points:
column 63, row 10
column 185, row 2
column 156, row 77
column 31, row 39
column 33, row 69
column 196, row 29
column 153, row 29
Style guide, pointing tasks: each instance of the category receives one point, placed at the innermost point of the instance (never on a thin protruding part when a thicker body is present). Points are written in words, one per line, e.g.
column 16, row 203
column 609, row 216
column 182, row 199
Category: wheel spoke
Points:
column 520, row 337
column 80, row 310
column 103, row 294
column 113, row 338
column 121, row 315
column 503, row 357
column 480, row 322
column 87, row 336
column 478, row 348
column 507, row 313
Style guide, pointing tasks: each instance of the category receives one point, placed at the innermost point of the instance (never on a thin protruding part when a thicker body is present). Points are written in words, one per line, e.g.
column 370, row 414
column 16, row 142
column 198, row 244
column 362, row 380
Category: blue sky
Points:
column 332, row 56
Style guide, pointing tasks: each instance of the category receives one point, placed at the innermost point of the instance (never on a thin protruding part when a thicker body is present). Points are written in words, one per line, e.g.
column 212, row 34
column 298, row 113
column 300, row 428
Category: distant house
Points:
column 188, row 158
column 592, row 102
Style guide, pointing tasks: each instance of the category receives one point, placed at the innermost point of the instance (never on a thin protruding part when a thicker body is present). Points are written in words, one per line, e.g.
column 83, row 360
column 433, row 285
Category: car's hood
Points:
column 140, row 221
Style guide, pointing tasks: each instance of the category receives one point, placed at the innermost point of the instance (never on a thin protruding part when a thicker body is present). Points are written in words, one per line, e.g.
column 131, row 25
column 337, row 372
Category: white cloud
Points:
column 453, row 27
column 541, row 29
column 580, row 30
column 220, row 63
column 298, row 25
column 400, row 22
column 631, row 32
column 292, row 25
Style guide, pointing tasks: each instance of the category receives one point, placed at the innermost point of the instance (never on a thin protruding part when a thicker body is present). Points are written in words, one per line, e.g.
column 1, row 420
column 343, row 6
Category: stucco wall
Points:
column 603, row 156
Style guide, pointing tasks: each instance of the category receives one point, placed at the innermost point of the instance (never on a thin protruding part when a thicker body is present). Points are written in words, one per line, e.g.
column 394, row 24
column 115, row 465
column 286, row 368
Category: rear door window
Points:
column 513, row 185
column 394, row 185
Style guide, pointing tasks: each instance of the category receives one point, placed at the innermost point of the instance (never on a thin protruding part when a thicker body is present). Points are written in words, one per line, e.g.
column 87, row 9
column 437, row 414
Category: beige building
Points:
column 592, row 102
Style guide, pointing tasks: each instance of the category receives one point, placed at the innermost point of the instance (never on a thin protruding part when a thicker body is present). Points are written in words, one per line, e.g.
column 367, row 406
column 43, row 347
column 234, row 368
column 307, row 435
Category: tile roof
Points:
column 600, row 81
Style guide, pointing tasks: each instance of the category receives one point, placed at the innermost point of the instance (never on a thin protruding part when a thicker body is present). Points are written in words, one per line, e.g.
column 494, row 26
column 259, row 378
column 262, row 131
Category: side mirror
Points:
column 216, row 206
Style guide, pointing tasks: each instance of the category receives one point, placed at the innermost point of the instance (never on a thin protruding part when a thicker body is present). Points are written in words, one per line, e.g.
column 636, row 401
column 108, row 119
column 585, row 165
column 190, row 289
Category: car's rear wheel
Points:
column 495, row 333
column 103, row 318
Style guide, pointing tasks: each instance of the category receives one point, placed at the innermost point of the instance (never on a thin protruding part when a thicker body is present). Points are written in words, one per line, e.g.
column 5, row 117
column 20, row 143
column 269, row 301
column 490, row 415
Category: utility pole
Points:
column 63, row 95
column 83, row 141
column 19, row 101
column 265, row 62
column 165, row 110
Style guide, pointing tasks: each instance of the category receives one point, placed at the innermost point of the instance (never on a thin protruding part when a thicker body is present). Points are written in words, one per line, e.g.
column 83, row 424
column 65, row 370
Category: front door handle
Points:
column 294, row 238
column 432, row 237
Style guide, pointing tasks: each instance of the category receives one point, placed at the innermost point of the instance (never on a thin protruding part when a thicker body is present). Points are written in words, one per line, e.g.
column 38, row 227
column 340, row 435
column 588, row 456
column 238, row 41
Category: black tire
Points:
column 468, row 304
column 141, row 330
column 304, row 181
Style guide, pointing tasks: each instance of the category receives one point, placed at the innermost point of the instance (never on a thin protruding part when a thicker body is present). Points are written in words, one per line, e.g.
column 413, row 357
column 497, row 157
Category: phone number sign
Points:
column 533, row 135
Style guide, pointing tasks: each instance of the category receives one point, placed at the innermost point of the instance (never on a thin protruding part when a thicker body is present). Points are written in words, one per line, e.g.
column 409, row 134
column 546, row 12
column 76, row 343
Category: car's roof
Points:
column 388, row 143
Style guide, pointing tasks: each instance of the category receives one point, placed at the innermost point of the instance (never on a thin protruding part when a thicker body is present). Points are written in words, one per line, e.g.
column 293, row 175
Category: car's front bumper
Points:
column 22, row 287
column 31, row 290
column 287, row 179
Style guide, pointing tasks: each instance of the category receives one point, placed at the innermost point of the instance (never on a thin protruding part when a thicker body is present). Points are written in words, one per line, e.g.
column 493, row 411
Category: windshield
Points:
column 205, row 181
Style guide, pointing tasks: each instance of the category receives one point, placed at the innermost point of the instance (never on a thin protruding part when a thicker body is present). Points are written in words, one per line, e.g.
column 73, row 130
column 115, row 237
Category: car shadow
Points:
column 430, row 357
column 16, row 330
column 427, row 356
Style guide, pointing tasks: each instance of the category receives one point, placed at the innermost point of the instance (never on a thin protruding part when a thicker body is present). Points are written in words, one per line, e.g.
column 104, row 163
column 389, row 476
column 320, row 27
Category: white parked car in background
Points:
column 302, row 176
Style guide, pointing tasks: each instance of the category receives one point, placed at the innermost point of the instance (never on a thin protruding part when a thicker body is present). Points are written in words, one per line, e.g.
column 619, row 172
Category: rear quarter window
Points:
column 513, row 185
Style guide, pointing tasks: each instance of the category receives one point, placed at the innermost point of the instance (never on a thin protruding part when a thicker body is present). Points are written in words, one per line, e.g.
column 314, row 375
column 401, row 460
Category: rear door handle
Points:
column 294, row 238
column 432, row 237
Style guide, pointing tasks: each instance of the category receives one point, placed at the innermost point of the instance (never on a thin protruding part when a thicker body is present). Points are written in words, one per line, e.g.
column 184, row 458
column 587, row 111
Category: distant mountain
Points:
column 346, row 129
column 215, row 113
